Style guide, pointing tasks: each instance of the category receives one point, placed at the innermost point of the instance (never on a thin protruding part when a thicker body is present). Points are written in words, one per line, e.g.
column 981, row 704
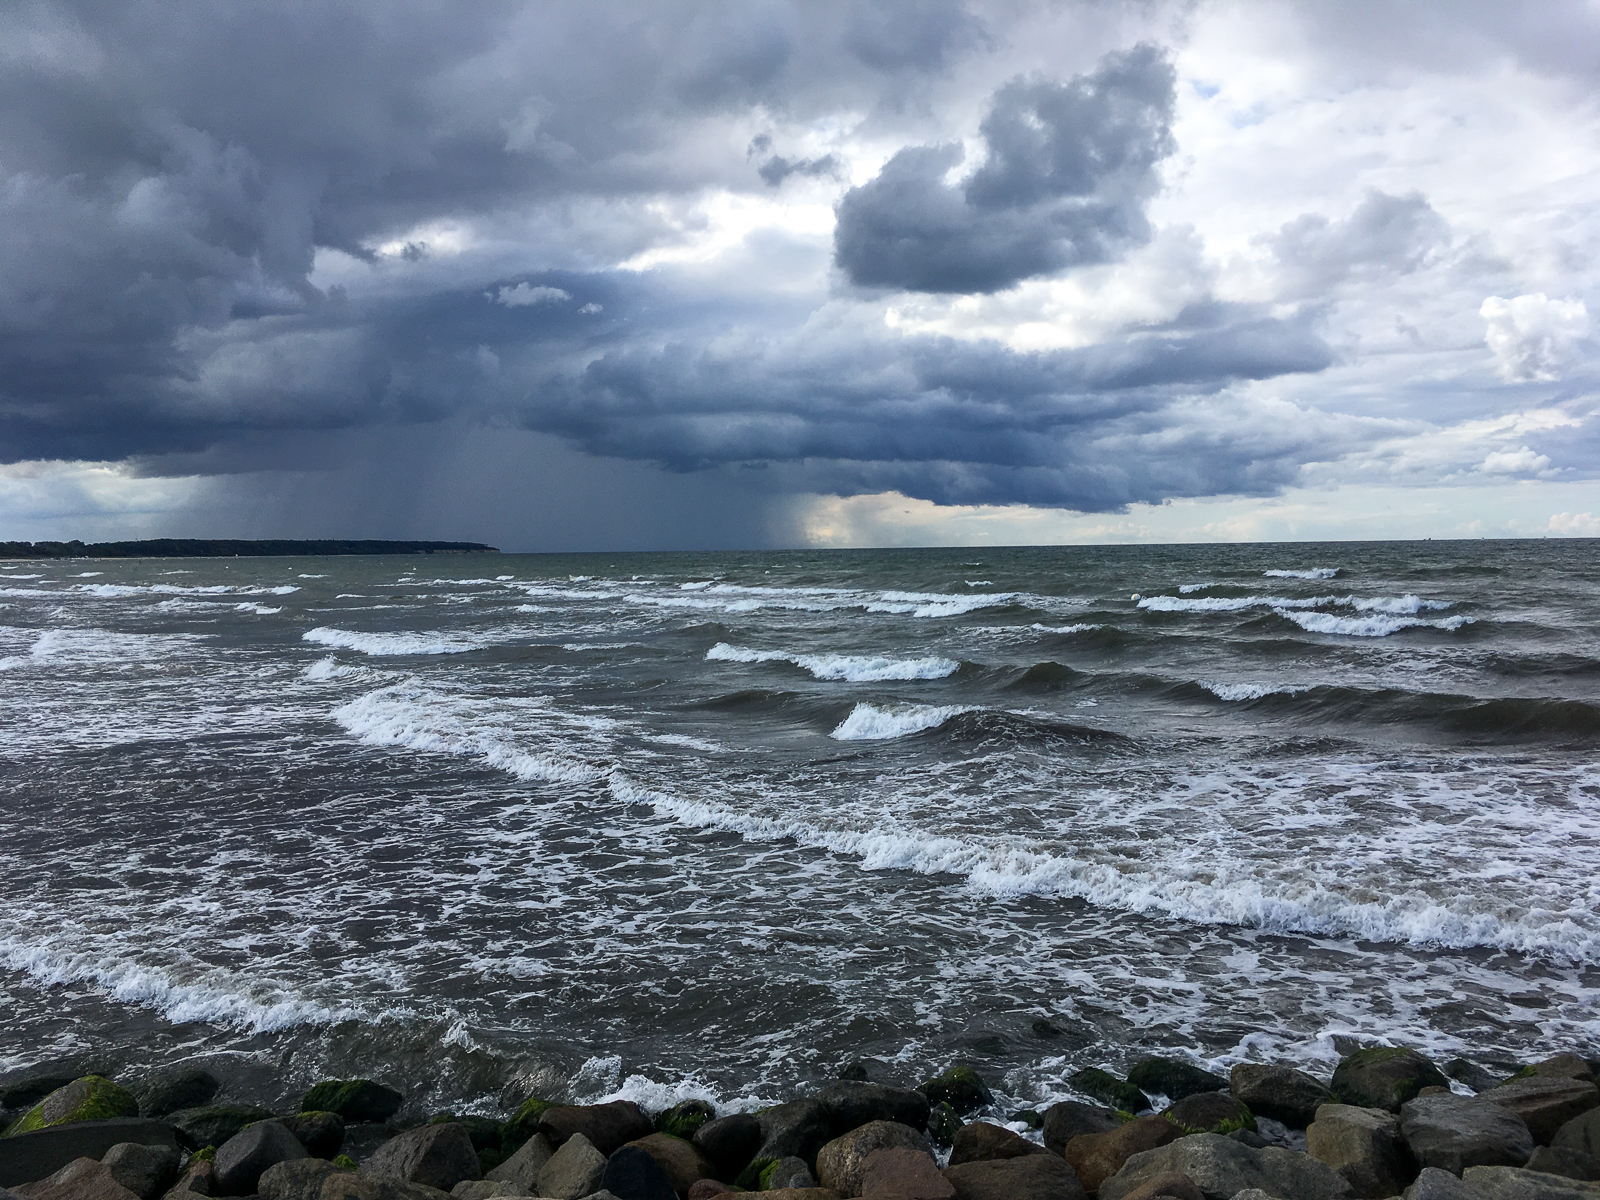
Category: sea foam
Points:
column 869, row 723
column 852, row 668
column 391, row 643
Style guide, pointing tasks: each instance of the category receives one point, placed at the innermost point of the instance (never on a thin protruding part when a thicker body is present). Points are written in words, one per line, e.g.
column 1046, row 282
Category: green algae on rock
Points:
column 92, row 1098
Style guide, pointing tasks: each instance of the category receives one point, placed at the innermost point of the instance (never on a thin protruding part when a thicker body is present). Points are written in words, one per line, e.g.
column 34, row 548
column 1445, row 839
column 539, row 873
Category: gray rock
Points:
column 1434, row 1184
column 1254, row 1194
column 1457, row 1132
column 25, row 1093
column 215, row 1123
column 574, row 1170
column 1281, row 1093
column 1509, row 1183
column 896, row 1173
column 1365, row 1146
column 962, row 1088
column 730, row 1143
column 1545, row 1102
column 1567, row 1066
column 633, row 1174
column 797, row 1129
column 1581, row 1134
column 849, row 1104
column 944, row 1123
column 295, row 1179
column 80, row 1179
column 1384, row 1077
column 439, row 1156
column 522, row 1168
column 1209, row 1112
column 170, row 1093
column 25, row 1157
column 487, row 1189
column 199, row 1178
column 348, row 1185
column 1035, row 1177
column 1574, row 1164
column 243, row 1158
column 1221, row 1168
column 1173, row 1078
column 353, row 1099
column 321, row 1133
column 682, row 1161
column 1065, row 1121
column 841, row 1161
column 605, row 1126
column 788, row 1173
column 980, row 1141
column 1479, row 1079
column 146, row 1171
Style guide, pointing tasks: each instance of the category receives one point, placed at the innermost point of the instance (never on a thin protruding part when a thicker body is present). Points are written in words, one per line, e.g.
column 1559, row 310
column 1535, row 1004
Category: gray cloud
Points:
column 1385, row 233
column 1068, row 169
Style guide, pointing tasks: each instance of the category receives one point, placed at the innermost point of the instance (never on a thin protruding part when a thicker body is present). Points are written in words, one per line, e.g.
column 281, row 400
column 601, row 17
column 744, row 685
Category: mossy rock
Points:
column 750, row 1177
column 213, row 1124
column 961, row 1088
column 204, row 1154
column 344, row 1162
column 353, row 1099
column 1210, row 1112
column 1384, row 1077
column 92, row 1098
column 943, row 1124
column 1031, row 1117
column 764, row 1180
column 684, row 1120
column 485, row 1133
column 1109, row 1090
column 523, row 1123
column 1173, row 1078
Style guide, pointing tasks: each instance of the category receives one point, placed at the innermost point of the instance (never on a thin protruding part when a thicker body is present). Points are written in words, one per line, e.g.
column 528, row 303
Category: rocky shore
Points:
column 1388, row 1123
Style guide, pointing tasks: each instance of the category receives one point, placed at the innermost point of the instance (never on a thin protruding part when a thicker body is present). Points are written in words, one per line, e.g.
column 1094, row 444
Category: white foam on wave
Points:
column 100, row 647
column 869, row 723
column 380, row 644
column 330, row 668
column 1312, row 573
column 1316, row 622
column 1407, row 605
column 260, row 610
column 1251, row 691
column 850, row 668
column 118, row 591
column 1187, row 589
column 417, row 718
column 1082, row 627
column 980, row 583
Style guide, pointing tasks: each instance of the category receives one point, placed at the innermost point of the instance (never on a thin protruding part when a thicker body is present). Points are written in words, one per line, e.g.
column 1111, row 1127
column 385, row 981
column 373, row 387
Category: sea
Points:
column 719, row 825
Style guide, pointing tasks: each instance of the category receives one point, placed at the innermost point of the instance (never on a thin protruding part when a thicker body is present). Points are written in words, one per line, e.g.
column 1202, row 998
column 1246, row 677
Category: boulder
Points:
column 1581, row 1134
column 30, row 1156
column 321, row 1133
column 1171, row 1186
column 485, row 1189
column 1035, row 1177
column 729, row 1143
column 1365, row 1146
column 1210, row 1112
column 681, row 1160
column 1173, row 1078
column 92, row 1098
column 1509, row 1183
column 347, row 1185
column 896, row 1173
column 1065, row 1121
column 242, row 1158
column 960, row 1087
column 1108, row 1089
column 523, row 1123
column 1434, row 1184
column 1221, row 1167
column 1384, row 1077
column 1561, row 1066
column 812, row 1193
column 574, row 1170
column 25, row 1093
column 705, row 1189
column 146, row 1171
column 1457, row 1132
column 851, row 1103
column 214, row 1124
column 80, row 1179
column 683, row 1120
column 1574, row 1164
column 840, row 1163
column 353, row 1099
column 169, row 1093
column 1545, row 1102
column 1096, row 1157
column 199, row 1178
column 295, row 1179
column 634, row 1174
column 1479, row 1079
column 797, row 1129
column 943, row 1124
column 981, row 1141
column 606, row 1126
column 787, row 1174
column 1281, row 1093
column 523, row 1167
column 439, row 1156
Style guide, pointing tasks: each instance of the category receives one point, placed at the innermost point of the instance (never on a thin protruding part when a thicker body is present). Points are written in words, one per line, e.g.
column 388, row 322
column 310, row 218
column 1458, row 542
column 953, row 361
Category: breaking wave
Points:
column 869, row 723
column 851, row 668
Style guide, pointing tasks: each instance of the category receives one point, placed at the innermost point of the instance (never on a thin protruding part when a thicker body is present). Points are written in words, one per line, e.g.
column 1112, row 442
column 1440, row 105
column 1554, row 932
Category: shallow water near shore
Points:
column 718, row 824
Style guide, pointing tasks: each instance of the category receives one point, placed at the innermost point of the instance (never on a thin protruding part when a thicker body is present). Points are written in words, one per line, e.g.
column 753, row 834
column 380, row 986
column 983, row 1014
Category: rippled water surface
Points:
column 717, row 824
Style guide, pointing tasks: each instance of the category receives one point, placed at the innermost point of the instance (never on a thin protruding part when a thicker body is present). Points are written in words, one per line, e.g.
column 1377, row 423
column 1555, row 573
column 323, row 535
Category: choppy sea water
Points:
column 672, row 825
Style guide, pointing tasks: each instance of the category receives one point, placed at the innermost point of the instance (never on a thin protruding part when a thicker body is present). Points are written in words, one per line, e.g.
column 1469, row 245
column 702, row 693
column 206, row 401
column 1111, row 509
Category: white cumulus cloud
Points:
column 525, row 295
column 1570, row 524
column 1532, row 337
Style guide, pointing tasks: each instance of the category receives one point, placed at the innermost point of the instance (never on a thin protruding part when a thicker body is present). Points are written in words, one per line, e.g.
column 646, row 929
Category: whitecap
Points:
column 1250, row 691
column 391, row 643
column 1312, row 573
column 1316, row 622
column 251, row 606
column 869, row 723
column 851, row 668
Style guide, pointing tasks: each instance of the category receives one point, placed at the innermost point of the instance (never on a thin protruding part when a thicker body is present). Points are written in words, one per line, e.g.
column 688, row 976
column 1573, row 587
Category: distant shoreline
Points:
column 231, row 548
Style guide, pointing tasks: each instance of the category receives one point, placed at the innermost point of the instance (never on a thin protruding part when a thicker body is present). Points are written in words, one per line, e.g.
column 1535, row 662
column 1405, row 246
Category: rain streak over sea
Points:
column 717, row 824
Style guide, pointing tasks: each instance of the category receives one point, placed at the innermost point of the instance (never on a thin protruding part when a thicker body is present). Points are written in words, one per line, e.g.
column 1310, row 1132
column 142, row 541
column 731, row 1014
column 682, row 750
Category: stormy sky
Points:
column 682, row 275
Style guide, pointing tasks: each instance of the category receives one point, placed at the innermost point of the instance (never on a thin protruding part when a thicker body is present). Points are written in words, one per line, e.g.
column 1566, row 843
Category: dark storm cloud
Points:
column 1067, row 170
